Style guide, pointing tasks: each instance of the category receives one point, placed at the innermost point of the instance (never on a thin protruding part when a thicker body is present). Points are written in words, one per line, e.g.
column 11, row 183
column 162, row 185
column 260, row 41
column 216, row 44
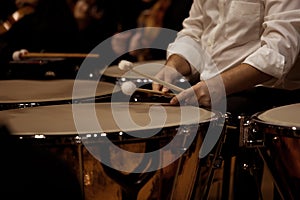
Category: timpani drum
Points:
column 152, row 67
column 30, row 93
column 276, row 135
column 86, row 148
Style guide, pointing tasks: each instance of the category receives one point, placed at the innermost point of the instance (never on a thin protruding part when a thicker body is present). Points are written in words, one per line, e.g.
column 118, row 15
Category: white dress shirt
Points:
column 221, row 34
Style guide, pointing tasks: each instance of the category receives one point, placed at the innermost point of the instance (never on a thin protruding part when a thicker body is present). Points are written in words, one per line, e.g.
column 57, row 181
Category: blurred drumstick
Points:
column 59, row 55
column 24, row 54
column 126, row 65
column 129, row 88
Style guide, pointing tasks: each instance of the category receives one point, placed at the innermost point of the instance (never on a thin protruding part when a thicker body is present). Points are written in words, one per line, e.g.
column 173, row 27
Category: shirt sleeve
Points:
column 188, row 40
column 273, row 52
column 280, row 39
column 189, row 49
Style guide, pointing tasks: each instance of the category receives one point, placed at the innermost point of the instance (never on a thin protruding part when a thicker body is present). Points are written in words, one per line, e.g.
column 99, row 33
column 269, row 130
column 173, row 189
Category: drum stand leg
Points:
column 185, row 150
column 253, row 168
column 80, row 162
column 203, row 194
column 176, row 175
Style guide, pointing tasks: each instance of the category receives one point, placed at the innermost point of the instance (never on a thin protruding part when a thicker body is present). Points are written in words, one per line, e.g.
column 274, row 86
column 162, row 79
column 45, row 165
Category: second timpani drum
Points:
column 86, row 148
column 151, row 67
column 276, row 135
column 114, row 74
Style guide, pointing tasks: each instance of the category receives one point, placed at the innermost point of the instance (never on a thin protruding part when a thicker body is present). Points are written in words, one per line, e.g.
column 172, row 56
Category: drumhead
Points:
column 287, row 116
column 21, row 91
column 147, row 67
column 58, row 119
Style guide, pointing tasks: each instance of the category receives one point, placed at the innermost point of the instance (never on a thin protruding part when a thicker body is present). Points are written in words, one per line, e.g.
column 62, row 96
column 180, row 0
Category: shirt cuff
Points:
column 267, row 61
column 190, row 50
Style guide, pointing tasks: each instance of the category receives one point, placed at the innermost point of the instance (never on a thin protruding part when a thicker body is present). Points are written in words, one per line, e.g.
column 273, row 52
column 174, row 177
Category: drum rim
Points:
column 281, row 129
column 255, row 117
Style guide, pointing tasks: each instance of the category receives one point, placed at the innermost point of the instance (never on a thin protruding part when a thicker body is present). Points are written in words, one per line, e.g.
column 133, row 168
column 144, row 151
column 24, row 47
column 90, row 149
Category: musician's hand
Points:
column 204, row 93
column 167, row 74
column 175, row 68
column 196, row 95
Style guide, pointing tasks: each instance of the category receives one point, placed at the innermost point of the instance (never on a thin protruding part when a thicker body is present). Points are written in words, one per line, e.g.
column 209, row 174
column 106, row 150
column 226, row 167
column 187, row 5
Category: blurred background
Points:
column 78, row 26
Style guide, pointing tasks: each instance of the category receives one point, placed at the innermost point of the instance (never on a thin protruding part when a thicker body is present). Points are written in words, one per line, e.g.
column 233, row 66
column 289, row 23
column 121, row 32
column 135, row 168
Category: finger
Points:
column 179, row 98
column 174, row 101
column 156, row 86
column 187, row 97
column 165, row 89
